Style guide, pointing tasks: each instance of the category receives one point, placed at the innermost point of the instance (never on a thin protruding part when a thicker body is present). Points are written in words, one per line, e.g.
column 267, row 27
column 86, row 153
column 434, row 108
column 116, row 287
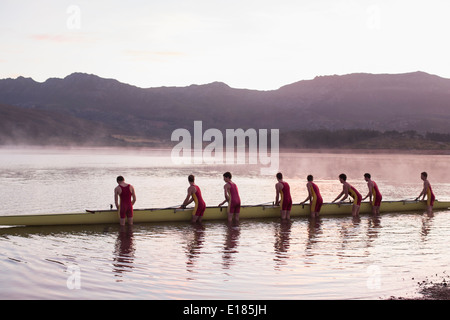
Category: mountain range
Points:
column 87, row 109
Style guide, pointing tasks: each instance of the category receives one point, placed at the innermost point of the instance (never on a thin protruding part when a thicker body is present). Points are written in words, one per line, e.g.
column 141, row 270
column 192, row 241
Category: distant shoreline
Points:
column 282, row 150
column 370, row 151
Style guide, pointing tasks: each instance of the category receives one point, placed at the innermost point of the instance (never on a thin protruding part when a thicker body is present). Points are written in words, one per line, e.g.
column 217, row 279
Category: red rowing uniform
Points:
column 126, row 207
column 234, row 205
column 376, row 195
column 286, row 200
column 355, row 195
column 317, row 201
column 200, row 205
column 430, row 196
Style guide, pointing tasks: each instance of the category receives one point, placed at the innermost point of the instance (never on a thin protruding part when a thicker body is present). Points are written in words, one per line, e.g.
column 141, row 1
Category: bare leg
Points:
column 355, row 210
column 122, row 220
column 312, row 213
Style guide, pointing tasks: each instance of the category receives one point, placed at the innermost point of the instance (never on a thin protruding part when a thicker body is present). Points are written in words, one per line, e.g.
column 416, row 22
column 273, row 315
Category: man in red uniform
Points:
column 127, row 196
column 349, row 190
column 427, row 191
column 194, row 194
column 282, row 189
column 374, row 194
column 231, row 194
column 314, row 197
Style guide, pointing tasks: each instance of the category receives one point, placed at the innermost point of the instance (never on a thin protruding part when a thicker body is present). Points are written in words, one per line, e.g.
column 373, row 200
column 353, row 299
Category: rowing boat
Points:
column 211, row 213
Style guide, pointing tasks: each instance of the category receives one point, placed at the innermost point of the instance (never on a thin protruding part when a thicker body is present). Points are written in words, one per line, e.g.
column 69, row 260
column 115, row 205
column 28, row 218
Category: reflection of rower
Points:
column 282, row 242
column 349, row 190
column 313, row 196
column 231, row 244
column 282, row 189
column 314, row 232
column 124, row 251
column 194, row 245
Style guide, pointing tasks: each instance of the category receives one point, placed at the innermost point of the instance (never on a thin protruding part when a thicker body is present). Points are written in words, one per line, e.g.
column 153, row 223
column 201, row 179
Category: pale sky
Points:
column 254, row 44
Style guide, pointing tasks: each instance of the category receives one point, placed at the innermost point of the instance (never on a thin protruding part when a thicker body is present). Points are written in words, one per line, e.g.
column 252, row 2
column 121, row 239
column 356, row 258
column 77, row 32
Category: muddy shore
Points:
column 435, row 287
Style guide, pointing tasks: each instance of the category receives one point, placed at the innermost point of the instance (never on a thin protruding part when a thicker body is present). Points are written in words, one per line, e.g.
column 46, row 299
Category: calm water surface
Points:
column 329, row 258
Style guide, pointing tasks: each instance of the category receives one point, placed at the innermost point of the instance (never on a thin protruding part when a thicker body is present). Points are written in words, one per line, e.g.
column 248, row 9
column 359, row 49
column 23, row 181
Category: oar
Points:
column 410, row 200
column 261, row 204
column 340, row 203
column 167, row 208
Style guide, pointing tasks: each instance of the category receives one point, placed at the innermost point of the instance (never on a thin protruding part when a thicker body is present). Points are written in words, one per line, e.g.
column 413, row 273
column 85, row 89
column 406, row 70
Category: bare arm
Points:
column 133, row 195
column 340, row 195
column 343, row 193
column 424, row 191
column 226, row 190
column 309, row 195
column 369, row 194
column 116, row 196
column 278, row 188
column 189, row 198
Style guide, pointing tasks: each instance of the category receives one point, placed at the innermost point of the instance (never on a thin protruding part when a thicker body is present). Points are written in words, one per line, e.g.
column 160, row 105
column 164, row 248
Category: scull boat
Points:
column 212, row 213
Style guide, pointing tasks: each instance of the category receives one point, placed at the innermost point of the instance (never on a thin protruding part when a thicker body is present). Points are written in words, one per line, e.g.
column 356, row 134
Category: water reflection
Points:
column 310, row 257
column 373, row 226
column 124, row 251
column 232, row 234
column 373, row 229
column 314, row 230
column 427, row 223
column 194, row 245
column 282, row 242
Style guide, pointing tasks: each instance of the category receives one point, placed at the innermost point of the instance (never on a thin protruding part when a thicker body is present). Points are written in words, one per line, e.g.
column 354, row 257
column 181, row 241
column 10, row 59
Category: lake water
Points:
column 328, row 258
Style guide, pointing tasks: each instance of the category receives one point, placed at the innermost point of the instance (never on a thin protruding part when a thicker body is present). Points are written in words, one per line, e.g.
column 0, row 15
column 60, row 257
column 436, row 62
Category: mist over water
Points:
column 396, row 168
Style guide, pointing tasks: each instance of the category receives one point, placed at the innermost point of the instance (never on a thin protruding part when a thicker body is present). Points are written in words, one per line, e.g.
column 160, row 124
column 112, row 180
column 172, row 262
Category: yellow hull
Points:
column 212, row 213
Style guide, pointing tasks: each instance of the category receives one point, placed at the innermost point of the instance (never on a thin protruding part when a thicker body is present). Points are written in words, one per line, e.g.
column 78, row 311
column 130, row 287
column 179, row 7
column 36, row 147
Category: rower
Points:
column 374, row 194
column 195, row 195
column 428, row 192
column 127, row 196
column 232, row 197
column 349, row 190
column 314, row 197
column 282, row 189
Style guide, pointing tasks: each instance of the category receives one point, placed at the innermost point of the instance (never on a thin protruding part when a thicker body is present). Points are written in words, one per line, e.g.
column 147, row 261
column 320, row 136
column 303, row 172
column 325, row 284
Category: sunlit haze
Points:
column 246, row 44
